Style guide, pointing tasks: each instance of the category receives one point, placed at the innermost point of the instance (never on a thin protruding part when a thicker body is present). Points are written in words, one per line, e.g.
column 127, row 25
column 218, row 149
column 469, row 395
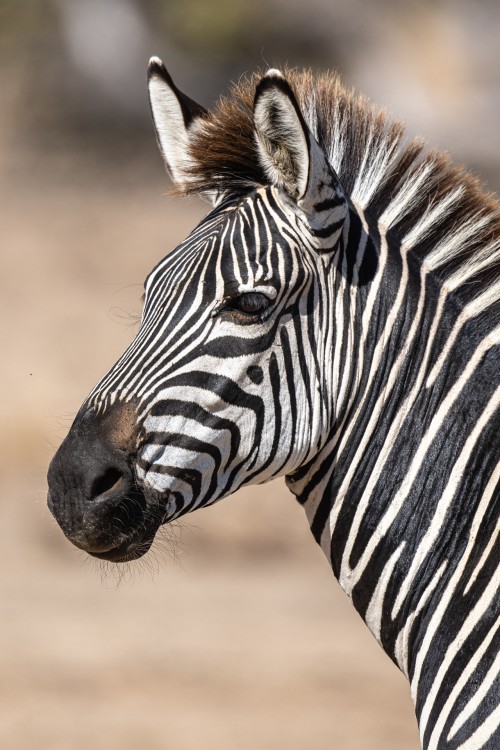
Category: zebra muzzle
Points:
column 94, row 495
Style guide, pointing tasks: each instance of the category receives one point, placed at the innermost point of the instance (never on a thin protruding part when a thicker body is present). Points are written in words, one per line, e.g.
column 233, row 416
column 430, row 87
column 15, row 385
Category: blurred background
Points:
column 233, row 634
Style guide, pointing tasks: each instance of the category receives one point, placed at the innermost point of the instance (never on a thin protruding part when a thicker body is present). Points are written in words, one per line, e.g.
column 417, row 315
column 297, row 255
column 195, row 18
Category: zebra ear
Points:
column 293, row 160
column 174, row 114
column 281, row 134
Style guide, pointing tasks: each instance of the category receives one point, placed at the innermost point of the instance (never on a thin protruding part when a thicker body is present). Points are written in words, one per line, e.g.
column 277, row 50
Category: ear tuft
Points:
column 274, row 73
column 157, row 68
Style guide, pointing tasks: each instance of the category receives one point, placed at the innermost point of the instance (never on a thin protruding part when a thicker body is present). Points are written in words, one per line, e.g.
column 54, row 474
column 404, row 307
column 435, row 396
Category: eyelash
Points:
column 247, row 307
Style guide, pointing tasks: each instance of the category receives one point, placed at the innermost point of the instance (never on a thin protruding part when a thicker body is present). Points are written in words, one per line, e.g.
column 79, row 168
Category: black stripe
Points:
column 327, row 204
column 329, row 229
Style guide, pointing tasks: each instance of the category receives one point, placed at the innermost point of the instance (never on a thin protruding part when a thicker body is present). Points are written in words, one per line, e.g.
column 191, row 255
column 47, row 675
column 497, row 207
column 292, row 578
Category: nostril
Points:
column 106, row 482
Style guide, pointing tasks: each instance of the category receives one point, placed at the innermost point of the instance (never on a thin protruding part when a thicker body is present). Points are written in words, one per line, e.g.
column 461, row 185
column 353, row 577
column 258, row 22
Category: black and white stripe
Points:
column 336, row 319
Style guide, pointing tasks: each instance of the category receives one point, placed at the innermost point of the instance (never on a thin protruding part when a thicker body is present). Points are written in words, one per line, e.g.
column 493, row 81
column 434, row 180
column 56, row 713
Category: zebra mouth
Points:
column 138, row 517
column 126, row 552
column 142, row 515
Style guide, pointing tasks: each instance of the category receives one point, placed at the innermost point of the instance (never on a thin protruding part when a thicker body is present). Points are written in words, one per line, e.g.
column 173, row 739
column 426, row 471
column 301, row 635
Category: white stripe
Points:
column 351, row 578
column 489, row 546
column 454, row 648
column 444, row 602
column 477, row 306
column 452, row 583
column 483, row 732
column 443, row 505
column 482, row 691
column 373, row 616
column 431, row 219
column 401, row 651
column 346, row 573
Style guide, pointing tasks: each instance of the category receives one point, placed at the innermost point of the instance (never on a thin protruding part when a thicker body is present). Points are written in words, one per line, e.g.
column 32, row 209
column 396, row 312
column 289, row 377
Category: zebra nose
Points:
column 88, row 468
column 92, row 490
column 109, row 482
column 85, row 483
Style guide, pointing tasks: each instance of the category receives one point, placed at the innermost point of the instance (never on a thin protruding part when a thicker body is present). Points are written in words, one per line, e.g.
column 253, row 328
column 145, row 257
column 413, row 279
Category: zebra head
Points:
column 228, row 380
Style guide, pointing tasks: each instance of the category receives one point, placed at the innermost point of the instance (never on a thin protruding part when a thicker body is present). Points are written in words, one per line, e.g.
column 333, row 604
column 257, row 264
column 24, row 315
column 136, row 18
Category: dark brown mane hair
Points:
column 387, row 177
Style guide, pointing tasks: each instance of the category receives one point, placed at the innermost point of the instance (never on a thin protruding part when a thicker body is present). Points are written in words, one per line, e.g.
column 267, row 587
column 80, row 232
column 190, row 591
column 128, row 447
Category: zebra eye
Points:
column 249, row 304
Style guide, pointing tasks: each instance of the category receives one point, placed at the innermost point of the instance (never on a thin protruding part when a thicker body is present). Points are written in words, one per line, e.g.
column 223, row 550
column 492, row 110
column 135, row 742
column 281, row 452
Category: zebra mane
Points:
column 435, row 207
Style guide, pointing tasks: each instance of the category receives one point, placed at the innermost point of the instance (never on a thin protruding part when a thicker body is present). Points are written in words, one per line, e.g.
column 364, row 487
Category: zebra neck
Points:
column 396, row 524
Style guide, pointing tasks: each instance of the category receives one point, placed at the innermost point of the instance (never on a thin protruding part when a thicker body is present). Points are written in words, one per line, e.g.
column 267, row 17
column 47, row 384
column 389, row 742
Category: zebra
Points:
column 334, row 319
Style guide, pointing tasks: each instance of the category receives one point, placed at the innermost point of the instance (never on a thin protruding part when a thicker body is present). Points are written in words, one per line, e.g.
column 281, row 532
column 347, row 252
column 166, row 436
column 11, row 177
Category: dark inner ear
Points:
column 191, row 110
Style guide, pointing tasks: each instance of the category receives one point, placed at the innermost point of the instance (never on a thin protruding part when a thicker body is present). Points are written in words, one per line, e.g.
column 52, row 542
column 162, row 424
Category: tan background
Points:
column 233, row 633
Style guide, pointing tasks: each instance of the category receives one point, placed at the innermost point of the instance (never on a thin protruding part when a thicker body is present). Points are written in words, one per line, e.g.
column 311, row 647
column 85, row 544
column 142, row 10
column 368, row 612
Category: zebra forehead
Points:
column 246, row 226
